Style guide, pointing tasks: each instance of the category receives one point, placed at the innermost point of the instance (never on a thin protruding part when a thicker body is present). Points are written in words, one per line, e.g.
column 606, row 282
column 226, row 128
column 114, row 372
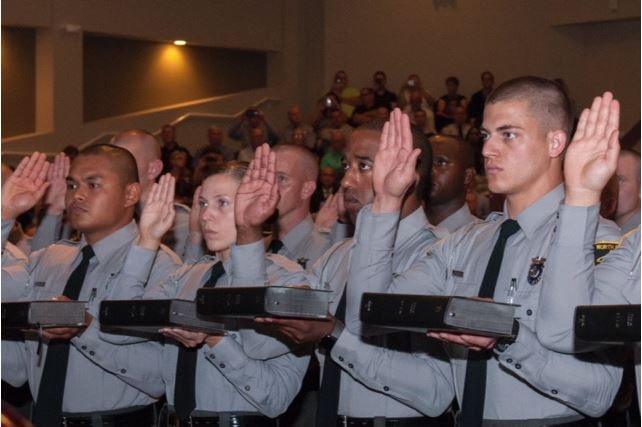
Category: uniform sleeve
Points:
column 14, row 363
column 48, row 232
column 7, row 225
column 567, row 277
column 249, row 264
column 269, row 385
column 420, row 380
column 137, row 364
column 371, row 265
column 587, row 382
column 15, row 277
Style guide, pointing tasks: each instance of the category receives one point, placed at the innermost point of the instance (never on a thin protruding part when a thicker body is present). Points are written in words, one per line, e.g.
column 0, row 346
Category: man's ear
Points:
column 557, row 141
column 154, row 170
column 307, row 190
column 132, row 194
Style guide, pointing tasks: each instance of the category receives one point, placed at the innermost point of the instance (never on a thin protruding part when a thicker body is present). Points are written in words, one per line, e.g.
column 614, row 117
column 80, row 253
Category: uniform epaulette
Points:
column 286, row 263
column 180, row 206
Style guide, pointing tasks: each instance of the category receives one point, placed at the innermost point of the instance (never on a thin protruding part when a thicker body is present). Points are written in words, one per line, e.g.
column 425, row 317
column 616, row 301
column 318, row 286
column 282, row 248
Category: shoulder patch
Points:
column 602, row 249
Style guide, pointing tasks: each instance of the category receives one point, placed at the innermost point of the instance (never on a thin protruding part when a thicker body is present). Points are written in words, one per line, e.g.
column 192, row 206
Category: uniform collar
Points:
column 298, row 233
column 105, row 248
column 458, row 218
column 539, row 212
column 410, row 225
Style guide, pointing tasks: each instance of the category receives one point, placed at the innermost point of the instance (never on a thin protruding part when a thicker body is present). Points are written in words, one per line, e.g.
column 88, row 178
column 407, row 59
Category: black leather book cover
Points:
column 608, row 323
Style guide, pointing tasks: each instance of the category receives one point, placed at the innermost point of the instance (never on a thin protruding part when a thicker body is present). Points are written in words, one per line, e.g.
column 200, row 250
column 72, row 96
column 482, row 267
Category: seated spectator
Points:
column 295, row 122
column 320, row 118
column 383, row 97
column 460, row 126
column 183, row 174
column 367, row 110
column 416, row 105
column 327, row 184
column 215, row 140
column 241, row 128
column 349, row 96
column 169, row 145
column 210, row 159
column 257, row 138
column 475, row 140
column 414, row 82
column 447, row 103
column 334, row 157
column 300, row 138
column 477, row 101
column 337, row 122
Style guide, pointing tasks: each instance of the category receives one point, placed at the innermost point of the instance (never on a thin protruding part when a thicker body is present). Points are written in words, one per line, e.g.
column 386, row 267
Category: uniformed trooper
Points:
column 296, row 236
column 526, row 126
column 185, row 241
column 590, row 162
column 102, row 192
column 244, row 378
column 373, row 387
column 453, row 172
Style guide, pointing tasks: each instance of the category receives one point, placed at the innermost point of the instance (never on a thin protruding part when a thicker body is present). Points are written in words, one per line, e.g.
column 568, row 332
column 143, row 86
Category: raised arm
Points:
column 49, row 228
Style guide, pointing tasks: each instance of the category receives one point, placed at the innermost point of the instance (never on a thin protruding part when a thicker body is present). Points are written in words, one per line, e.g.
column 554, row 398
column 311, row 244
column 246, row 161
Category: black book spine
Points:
column 135, row 313
column 396, row 310
column 231, row 301
column 15, row 315
column 608, row 323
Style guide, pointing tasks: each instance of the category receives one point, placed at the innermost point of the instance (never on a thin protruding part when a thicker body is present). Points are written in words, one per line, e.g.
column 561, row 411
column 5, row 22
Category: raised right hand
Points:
column 26, row 186
column 57, row 176
column 258, row 195
column 158, row 214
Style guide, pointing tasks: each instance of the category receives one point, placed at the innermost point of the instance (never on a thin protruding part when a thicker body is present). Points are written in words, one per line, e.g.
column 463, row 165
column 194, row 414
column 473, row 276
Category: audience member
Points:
column 366, row 111
column 337, row 123
column 321, row 116
column 627, row 215
column 295, row 122
column 208, row 160
column 460, row 126
column 477, row 101
column 416, row 107
column 215, row 140
column 348, row 96
column 383, row 97
column 257, row 138
column 333, row 158
column 168, row 136
column 241, row 128
column 182, row 174
column 447, row 103
column 453, row 173
column 414, row 82
column 327, row 185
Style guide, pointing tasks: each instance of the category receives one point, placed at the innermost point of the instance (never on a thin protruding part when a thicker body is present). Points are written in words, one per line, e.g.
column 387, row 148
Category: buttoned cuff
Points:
column 577, row 226
column 228, row 356
column 248, row 264
column 7, row 225
column 138, row 263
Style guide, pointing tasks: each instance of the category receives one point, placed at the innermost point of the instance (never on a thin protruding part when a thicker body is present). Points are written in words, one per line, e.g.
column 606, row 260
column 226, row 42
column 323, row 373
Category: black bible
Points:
column 148, row 316
column 608, row 323
column 267, row 301
column 422, row 313
column 43, row 314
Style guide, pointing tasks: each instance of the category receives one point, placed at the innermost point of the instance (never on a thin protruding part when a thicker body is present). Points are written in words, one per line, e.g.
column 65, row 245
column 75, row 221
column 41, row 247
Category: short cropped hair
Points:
column 122, row 161
column 309, row 161
column 545, row 98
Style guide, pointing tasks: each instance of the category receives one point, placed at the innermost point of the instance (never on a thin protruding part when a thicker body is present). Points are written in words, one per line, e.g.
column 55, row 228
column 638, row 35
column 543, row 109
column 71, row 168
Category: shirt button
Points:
column 221, row 365
column 91, row 353
column 340, row 359
column 247, row 388
column 529, row 311
column 386, row 388
column 84, row 347
column 509, row 360
column 123, row 371
column 211, row 356
column 554, row 391
column 350, row 365
column 518, row 366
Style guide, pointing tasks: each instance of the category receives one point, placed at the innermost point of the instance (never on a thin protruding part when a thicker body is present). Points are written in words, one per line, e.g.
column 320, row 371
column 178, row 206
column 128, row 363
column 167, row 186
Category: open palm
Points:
column 257, row 196
column 26, row 186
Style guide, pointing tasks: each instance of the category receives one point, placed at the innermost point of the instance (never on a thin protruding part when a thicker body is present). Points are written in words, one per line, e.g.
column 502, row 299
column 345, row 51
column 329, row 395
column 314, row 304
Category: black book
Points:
column 43, row 314
column 268, row 301
column 422, row 313
column 148, row 316
column 608, row 323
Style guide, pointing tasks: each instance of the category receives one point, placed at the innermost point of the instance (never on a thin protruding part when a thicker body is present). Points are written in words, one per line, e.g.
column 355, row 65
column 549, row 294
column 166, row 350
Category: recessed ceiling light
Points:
column 180, row 42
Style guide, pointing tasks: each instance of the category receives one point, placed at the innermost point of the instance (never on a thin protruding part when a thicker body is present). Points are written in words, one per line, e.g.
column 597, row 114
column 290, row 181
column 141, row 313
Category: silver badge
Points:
column 535, row 270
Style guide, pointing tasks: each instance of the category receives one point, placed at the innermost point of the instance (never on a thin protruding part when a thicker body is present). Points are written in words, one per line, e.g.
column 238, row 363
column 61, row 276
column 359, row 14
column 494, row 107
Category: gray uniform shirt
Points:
column 89, row 387
column 458, row 219
column 526, row 381
column 304, row 244
column 368, row 387
column 246, row 371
